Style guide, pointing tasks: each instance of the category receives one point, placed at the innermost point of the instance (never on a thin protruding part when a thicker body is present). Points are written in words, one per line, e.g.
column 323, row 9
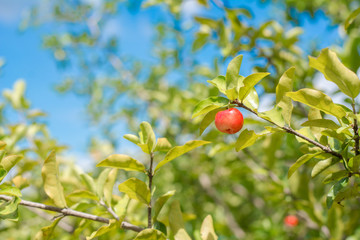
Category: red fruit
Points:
column 291, row 221
column 229, row 121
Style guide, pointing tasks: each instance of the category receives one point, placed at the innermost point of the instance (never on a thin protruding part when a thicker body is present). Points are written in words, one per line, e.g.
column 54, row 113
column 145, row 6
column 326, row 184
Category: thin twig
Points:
column 71, row 212
column 292, row 131
column 150, row 175
column 110, row 210
column 356, row 130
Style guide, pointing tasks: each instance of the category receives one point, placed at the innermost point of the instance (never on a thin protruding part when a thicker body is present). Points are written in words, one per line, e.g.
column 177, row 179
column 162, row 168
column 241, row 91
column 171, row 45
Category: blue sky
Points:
column 26, row 59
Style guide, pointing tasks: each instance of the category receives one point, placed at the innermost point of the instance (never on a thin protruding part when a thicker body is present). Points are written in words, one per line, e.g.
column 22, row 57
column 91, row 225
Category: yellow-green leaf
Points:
column 150, row 234
column 233, row 69
column 176, row 220
column 209, row 118
column 335, row 176
column 318, row 100
column 208, row 105
column 46, row 232
column 52, row 185
column 284, row 102
column 136, row 189
column 321, row 123
column 161, row 201
column 245, row 139
column 274, row 115
column 109, row 185
column 2, row 145
column 302, row 160
column 103, row 229
column 219, row 82
column 207, row 229
column 122, row 161
column 10, row 190
column 132, row 138
column 182, row 235
column 180, row 150
column 323, row 165
column 10, row 161
column 162, row 145
column 252, row 100
column 148, row 135
column 250, row 82
column 83, row 194
column 351, row 18
column 329, row 64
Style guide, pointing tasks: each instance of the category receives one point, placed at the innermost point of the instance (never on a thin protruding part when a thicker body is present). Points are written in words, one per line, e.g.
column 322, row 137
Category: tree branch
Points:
column 110, row 210
column 150, row 175
column 356, row 130
column 292, row 131
column 70, row 212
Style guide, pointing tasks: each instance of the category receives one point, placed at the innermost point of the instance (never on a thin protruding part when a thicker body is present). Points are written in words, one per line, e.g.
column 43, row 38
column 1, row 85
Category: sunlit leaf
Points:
column 161, row 201
column 318, row 100
column 100, row 182
column 175, row 217
column 274, row 115
column 250, row 82
column 182, row 235
column 233, row 70
column 322, row 123
column 132, row 138
column 2, row 145
column 207, row 229
column 109, row 185
column 9, row 162
column 208, row 119
column 122, row 161
column 209, row 104
column 323, row 165
column 284, row 102
column 46, row 232
column 335, row 176
column 162, row 145
column 329, row 64
column 252, row 100
column 219, row 82
column 10, row 190
column 180, row 150
column 150, row 234
column 351, row 18
column 83, row 194
column 136, row 189
column 103, row 229
column 148, row 135
column 334, row 190
column 9, row 210
column 52, row 185
column 302, row 160
column 245, row 139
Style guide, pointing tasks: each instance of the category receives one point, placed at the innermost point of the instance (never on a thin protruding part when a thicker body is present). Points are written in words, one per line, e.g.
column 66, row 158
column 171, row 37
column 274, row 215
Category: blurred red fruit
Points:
column 291, row 221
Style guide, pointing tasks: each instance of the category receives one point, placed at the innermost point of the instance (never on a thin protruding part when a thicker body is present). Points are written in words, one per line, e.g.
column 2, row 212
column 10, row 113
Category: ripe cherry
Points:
column 291, row 221
column 229, row 121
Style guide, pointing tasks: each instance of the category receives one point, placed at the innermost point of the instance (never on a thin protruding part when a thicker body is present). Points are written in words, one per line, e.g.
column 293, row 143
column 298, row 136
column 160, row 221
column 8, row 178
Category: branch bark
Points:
column 356, row 130
column 150, row 175
column 292, row 131
column 70, row 212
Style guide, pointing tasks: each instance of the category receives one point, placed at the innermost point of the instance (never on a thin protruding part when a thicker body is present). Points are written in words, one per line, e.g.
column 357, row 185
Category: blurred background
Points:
column 77, row 75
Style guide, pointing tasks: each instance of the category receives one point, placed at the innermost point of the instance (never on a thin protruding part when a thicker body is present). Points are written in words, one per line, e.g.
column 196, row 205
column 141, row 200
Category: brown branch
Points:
column 110, row 210
column 150, row 175
column 71, row 212
column 356, row 130
column 291, row 131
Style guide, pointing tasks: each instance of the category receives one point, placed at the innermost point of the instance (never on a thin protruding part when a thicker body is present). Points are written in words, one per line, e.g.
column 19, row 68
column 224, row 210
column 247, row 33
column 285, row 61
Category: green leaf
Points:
column 335, row 176
column 9, row 210
column 322, row 123
column 161, row 227
column 132, row 138
column 103, row 229
column 318, row 100
column 122, row 161
column 136, row 189
column 88, row 181
column 334, row 190
column 208, row 119
column 220, row 83
column 329, row 64
column 252, row 100
column 207, row 229
column 2, row 145
column 100, row 182
column 150, row 234
column 284, row 102
column 250, row 82
column 209, row 104
column 3, row 173
column 162, row 145
column 232, row 93
column 233, row 70
column 160, row 202
column 246, row 139
column 354, row 163
column 52, row 185
column 10, row 190
column 302, row 160
column 180, row 150
column 83, row 194
column 176, row 221
column 46, row 232
column 10, row 161
column 274, row 115
column 200, row 40
column 351, row 18
column 109, row 185
column 323, row 165
column 182, row 235
column 148, row 135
